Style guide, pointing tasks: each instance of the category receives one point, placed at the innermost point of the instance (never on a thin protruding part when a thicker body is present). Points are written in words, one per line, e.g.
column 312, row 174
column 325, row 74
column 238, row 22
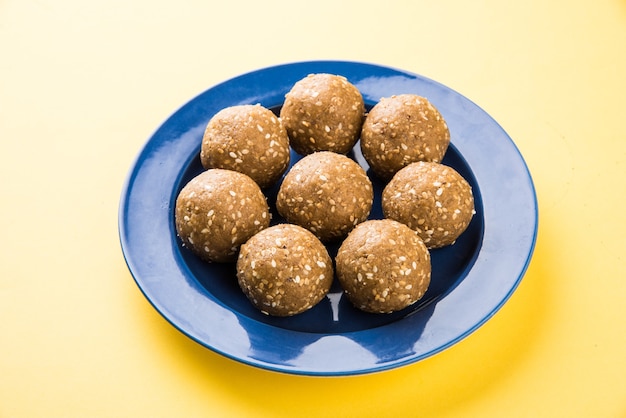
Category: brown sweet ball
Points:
column 249, row 139
column 323, row 112
column 431, row 198
column 383, row 266
column 326, row 193
column 400, row 130
column 284, row 270
column 219, row 210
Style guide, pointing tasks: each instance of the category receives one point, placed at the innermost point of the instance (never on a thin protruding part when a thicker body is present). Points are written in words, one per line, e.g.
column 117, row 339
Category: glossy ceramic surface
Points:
column 471, row 279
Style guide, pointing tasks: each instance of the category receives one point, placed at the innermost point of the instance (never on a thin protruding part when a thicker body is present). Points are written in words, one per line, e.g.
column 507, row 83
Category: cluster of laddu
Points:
column 222, row 215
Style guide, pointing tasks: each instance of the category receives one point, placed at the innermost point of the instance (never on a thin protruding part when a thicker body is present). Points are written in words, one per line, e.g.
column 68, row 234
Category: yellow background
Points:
column 83, row 86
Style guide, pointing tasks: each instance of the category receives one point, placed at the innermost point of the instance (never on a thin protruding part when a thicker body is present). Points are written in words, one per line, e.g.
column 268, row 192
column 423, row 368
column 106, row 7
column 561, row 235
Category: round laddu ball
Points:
column 431, row 198
column 326, row 193
column 383, row 266
column 400, row 130
column 219, row 210
column 249, row 139
column 323, row 112
column 284, row 270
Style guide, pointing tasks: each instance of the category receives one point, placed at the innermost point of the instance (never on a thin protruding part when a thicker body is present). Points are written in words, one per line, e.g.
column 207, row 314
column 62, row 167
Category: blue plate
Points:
column 471, row 279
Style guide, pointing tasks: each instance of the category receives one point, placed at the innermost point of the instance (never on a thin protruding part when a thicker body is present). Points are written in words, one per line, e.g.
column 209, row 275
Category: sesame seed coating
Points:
column 249, row 139
column 217, row 211
column 323, row 112
column 383, row 266
column 326, row 193
column 284, row 270
column 400, row 130
column 432, row 199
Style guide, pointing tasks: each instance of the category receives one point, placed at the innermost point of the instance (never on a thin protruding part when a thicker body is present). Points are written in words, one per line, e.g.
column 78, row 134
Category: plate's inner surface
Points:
column 335, row 314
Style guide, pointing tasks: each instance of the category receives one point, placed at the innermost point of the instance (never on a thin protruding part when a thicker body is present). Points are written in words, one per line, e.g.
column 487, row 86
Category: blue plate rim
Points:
column 521, row 178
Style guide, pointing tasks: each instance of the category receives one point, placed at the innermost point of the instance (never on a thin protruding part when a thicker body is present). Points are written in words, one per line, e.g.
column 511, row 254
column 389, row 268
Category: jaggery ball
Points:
column 217, row 211
column 326, row 193
column 431, row 198
column 284, row 270
column 383, row 266
column 400, row 130
column 249, row 139
column 323, row 112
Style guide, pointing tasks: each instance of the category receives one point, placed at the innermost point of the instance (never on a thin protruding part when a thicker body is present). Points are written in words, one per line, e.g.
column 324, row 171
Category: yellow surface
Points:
column 84, row 84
